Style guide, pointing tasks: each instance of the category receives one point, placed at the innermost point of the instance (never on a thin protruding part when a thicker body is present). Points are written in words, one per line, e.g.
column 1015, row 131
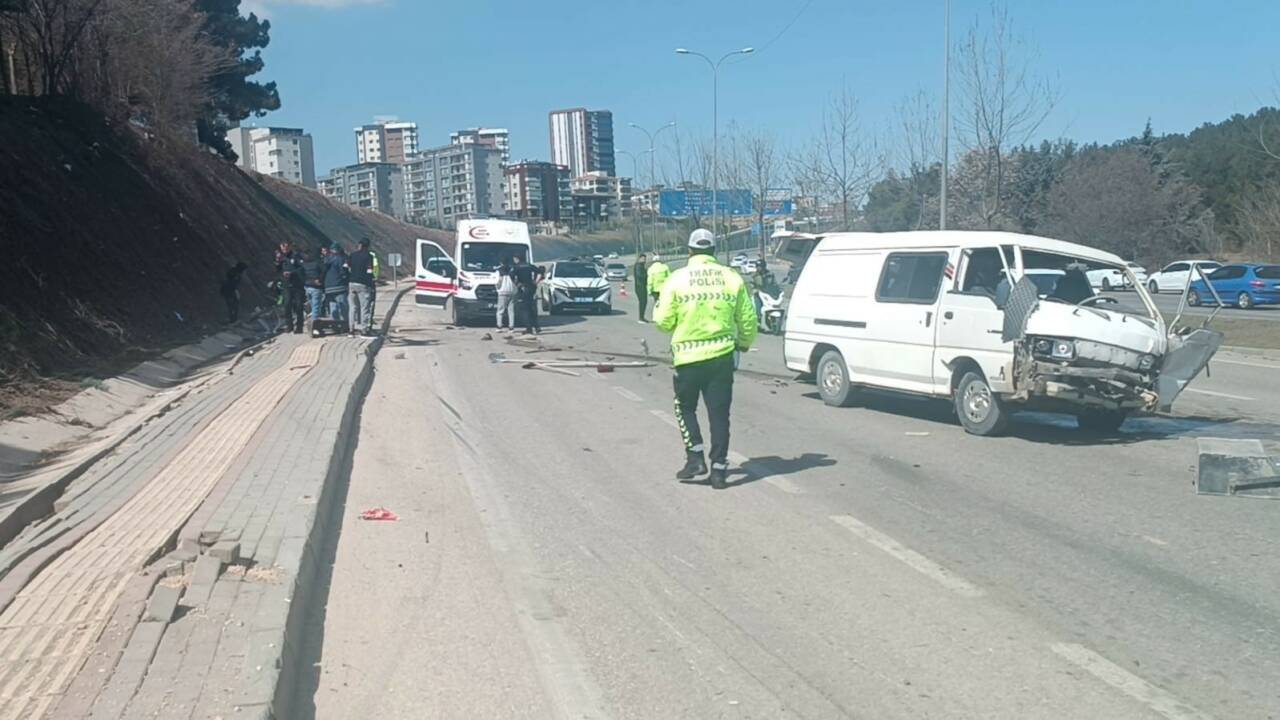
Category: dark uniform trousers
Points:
column 713, row 380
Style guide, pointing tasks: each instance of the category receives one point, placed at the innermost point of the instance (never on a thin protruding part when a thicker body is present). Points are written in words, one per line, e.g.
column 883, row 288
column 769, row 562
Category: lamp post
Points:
column 946, row 110
column 653, row 183
column 715, row 116
column 635, row 220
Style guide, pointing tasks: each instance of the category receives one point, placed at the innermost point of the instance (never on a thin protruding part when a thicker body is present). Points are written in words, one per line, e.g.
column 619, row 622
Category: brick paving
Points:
column 49, row 630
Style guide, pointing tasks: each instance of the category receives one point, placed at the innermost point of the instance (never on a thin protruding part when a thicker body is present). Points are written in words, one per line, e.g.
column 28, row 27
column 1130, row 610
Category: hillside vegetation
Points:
column 116, row 241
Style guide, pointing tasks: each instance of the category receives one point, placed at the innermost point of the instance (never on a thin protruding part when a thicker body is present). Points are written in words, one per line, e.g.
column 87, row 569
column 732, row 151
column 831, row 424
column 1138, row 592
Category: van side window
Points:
column 911, row 277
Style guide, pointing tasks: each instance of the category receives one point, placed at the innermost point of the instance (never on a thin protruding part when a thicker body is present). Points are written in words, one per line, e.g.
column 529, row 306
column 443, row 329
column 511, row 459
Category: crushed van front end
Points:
column 1063, row 371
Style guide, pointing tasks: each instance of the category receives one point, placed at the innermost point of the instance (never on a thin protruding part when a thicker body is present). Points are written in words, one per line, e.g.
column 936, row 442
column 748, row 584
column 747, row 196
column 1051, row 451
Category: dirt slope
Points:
column 114, row 243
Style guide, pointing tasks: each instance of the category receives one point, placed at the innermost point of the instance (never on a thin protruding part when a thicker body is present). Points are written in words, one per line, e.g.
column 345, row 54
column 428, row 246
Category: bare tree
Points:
column 919, row 147
column 762, row 168
column 1002, row 103
column 805, row 168
column 52, row 31
column 847, row 162
column 158, row 60
column 1258, row 221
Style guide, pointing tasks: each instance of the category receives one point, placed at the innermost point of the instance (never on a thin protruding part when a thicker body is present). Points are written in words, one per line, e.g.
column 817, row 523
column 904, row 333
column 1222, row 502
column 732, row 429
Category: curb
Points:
column 289, row 656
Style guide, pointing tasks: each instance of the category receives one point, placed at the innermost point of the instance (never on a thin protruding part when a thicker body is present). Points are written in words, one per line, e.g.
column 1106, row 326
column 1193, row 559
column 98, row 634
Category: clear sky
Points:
column 506, row 63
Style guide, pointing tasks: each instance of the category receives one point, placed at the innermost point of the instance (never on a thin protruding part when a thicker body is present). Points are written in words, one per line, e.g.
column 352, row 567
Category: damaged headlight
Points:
column 1056, row 349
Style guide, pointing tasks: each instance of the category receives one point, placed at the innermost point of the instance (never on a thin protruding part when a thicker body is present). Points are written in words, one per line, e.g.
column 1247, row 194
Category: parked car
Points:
column 951, row 315
column 615, row 271
column 1245, row 286
column 613, row 255
column 1174, row 275
column 575, row 285
column 1108, row 279
column 738, row 260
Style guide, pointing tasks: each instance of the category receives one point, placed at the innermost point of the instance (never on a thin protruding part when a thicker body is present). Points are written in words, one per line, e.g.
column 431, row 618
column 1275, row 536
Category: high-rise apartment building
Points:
column 284, row 153
column 386, row 141
column 538, row 190
column 582, row 140
column 498, row 138
column 456, row 182
column 374, row 186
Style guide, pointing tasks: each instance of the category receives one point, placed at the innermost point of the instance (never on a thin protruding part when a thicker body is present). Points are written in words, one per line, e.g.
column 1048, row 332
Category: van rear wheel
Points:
column 980, row 410
column 833, row 380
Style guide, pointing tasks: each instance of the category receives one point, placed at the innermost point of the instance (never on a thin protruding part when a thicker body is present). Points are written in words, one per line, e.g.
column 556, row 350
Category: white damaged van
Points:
column 995, row 321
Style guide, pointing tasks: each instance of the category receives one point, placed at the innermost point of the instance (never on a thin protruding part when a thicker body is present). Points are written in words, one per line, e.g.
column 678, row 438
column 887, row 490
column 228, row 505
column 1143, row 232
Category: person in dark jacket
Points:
column 313, row 269
column 230, row 290
column 527, row 277
column 293, row 277
column 335, row 283
column 641, row 275
column 360, row 287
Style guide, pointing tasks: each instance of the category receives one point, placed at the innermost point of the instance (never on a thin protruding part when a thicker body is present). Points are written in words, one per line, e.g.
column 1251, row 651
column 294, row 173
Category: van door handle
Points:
column 994, row 332
column 948, row 315
column 928, row 318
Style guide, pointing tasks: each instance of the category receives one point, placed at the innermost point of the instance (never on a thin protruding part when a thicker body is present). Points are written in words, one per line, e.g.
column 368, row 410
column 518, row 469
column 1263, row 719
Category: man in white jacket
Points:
column 507, row 295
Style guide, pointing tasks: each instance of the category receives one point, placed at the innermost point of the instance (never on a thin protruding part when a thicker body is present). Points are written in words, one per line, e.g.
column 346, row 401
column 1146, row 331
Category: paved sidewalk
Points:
column 47, row 633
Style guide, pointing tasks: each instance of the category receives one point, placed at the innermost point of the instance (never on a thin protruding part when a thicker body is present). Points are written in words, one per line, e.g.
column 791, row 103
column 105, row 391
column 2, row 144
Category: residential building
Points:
column 535, row 190
column 284, row 153
column 386, row 141
column 490, row 137
column 616, row 189
column 374, row 186
column 582, row 140
column 456, row 182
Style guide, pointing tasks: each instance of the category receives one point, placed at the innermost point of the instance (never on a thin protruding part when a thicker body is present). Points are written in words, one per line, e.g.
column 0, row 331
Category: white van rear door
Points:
column 435, row 275
column 901, row 331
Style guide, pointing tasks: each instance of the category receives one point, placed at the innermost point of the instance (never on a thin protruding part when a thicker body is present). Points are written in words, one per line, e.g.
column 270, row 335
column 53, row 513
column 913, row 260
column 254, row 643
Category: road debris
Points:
column 548, row 368
column 378, row 513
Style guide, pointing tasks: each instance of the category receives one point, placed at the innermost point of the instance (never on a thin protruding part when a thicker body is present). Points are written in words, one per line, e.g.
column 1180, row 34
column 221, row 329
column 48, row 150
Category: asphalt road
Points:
column 871, row 562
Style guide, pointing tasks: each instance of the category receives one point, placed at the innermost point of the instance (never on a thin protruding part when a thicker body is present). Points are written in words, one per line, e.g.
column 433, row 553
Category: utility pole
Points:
column 946, row 110
column 635, row 220
column 715, row 131
column 653, row 183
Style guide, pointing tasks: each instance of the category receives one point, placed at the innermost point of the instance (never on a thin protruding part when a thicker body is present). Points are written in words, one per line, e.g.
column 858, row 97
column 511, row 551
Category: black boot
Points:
column 718, row 477
column 694, row 465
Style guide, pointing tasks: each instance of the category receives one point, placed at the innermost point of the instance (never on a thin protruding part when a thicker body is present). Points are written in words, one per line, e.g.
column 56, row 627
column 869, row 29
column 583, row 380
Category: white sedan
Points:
column 1173, row 277
column 1114, row 278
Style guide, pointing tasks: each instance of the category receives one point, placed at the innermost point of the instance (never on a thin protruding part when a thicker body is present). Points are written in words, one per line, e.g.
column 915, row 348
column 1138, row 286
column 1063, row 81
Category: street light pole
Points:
column 715, row 130
column 634, row 171
column 946, row 110
column 653, row 183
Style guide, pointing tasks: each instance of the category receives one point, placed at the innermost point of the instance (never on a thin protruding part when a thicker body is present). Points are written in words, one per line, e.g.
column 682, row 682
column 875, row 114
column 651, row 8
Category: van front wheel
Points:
column 980, row 410
column 833, row 380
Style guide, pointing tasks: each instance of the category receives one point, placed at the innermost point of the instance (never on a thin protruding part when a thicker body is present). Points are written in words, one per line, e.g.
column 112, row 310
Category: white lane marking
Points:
column 1246, row 364
column 1128, row 683
column 627, row 394
column 1154, row 540
column 667, row 418
column 785, row 485
column 909, row 557
column 1218, row 394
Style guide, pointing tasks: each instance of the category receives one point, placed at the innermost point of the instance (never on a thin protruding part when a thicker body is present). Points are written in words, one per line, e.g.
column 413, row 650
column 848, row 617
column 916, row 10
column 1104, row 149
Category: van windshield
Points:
column 488, row 256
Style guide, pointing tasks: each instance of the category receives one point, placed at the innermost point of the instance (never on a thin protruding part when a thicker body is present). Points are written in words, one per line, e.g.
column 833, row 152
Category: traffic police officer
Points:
column 708, row 311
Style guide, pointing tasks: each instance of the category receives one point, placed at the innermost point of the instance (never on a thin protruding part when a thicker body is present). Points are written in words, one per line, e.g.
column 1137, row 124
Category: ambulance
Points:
column 464, row 283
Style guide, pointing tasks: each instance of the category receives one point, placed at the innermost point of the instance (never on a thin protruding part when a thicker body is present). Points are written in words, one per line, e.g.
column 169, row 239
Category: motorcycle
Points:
column 769, row 314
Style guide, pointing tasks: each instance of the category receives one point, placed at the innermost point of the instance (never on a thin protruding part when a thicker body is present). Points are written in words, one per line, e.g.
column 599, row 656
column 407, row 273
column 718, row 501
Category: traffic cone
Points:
column 624, row 290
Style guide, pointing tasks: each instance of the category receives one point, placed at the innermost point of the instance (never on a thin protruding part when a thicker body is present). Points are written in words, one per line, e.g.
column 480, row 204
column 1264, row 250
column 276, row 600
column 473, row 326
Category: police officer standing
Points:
column 708, row 311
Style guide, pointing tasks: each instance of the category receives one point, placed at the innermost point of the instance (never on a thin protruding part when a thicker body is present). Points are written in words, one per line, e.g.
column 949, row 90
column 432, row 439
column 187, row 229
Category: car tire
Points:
column 459, row 319
column 1153, row 287
column 1101, row 421
column 832, row 377
column 1244, row 301
column 981, row 411
column 1193, row 299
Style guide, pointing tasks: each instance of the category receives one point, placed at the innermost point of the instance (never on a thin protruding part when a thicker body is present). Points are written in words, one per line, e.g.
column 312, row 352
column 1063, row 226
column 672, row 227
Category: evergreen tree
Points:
column 235, row 96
